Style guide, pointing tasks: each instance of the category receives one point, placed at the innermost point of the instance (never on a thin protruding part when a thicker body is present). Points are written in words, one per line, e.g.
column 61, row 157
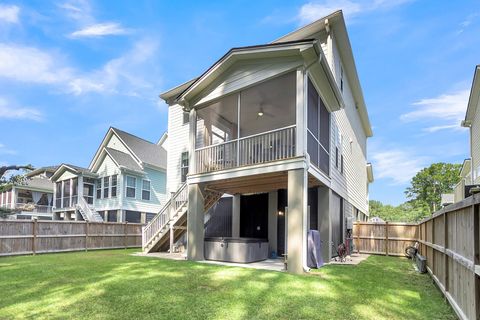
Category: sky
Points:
column 71, row 69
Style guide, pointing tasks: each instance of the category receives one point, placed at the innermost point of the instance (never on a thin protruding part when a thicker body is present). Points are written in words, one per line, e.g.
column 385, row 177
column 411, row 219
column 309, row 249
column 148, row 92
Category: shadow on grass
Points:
column 115, row 285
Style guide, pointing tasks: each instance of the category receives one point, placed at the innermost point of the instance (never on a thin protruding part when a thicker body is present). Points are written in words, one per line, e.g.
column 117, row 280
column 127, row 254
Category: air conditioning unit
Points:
column 471, row 189
column 421, row 262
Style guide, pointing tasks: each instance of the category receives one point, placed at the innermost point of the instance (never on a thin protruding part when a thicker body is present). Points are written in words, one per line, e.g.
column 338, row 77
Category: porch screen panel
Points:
column 269, row 105
column 217, row 125
column 318, row 125
column 66, row 193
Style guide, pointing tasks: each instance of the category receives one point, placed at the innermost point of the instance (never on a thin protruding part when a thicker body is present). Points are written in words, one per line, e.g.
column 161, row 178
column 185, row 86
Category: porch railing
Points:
column 260, row 148
column 31, row 207
column 169, row 210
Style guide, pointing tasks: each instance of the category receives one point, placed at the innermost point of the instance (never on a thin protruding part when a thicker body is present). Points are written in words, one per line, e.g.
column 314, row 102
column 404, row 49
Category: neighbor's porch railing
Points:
column 31, row 207
column 260, row 148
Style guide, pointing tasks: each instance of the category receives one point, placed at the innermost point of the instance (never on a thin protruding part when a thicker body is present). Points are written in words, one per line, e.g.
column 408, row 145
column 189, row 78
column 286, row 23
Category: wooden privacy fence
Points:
column 388, row 238
column 450, row 241
column 31, row 237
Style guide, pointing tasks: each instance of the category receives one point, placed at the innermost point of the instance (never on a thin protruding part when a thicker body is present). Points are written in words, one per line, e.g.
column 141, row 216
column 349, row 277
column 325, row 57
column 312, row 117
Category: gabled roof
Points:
column 123, row 159
column 306, row 51
column 335, row 22
column 143, row 152
column 146, row 151
column 474, row 97
column 72, row 168
column 40, row 170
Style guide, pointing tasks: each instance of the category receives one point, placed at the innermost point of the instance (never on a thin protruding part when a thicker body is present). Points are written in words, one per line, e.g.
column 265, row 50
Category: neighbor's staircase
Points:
column 88, row 213
column 172, row 215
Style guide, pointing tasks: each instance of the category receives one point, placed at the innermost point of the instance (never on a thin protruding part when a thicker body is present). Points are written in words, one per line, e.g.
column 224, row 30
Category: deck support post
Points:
column 296, row 220
column 236, row 216
column 324, row 222
column 195, row 223
column 272, row 221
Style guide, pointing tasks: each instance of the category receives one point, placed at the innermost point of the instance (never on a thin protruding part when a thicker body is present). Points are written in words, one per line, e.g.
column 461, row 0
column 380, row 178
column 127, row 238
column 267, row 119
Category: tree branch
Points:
column 4, row 169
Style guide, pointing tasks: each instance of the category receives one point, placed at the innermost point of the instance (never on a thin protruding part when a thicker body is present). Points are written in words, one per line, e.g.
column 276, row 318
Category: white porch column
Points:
column 272, row 220
column 13, row 198
column 195, row 223
column 80, row 188
column 236, row 216
column 61, row 195
column 297, row 220
column 192, row 139
column 324, row 222
column 301, row 115
column 172, row 237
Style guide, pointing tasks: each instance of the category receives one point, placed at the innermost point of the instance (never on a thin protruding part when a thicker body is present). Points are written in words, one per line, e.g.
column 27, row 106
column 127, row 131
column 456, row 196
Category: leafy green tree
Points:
column 430, row 183
column 405, row 212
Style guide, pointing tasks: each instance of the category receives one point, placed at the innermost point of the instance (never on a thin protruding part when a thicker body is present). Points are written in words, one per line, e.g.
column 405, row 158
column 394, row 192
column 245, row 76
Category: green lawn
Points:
column 115, row 285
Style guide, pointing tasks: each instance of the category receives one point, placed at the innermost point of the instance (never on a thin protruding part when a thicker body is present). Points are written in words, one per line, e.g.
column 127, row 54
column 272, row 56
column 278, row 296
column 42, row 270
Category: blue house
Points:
column 125, row 181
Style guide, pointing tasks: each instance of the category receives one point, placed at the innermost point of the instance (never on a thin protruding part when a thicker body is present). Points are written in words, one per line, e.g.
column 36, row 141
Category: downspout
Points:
column 468, row 124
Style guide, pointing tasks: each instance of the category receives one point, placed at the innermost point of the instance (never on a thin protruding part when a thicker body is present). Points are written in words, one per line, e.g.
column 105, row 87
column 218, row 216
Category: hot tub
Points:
column 239, row 250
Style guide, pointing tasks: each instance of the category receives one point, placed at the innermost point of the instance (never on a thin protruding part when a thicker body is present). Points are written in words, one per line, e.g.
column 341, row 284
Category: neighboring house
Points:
column 31, row 199
column 126, row 181
column 470, row 173
column 268, row 143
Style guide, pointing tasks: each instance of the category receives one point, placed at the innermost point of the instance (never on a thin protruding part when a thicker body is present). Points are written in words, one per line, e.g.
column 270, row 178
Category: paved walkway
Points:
column 269, row 264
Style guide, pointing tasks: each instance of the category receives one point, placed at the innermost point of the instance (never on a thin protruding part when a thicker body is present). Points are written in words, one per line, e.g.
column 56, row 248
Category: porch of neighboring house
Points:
column 28, row 201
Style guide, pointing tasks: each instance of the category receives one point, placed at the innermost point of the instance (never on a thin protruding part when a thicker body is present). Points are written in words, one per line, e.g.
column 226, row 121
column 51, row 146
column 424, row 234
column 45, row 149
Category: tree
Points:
column 4, row 169
column 430, row 183
column 405, row 212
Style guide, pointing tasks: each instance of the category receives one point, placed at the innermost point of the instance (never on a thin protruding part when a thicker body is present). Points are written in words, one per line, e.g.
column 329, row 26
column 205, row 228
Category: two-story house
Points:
column 470, row 173
column 125, row 181
column 266, row 144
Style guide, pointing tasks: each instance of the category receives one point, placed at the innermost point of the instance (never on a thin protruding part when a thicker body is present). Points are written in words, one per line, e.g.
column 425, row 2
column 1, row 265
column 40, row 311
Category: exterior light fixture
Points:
column 260, row 113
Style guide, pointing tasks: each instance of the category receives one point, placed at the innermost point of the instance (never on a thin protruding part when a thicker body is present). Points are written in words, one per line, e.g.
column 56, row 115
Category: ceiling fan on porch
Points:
column 261, row 111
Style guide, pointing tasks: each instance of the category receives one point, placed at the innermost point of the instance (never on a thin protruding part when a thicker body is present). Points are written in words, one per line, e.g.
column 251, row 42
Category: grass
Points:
column 115, row 285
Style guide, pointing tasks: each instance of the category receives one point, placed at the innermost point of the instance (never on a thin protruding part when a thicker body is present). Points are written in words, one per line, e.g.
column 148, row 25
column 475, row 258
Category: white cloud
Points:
column 314, row 10
column 28, row 64
column 9, row 13
column 100, row 30
column 397, row 165
column 10, row 111
column 448, row 109
column 124, row 75
column 78, row 10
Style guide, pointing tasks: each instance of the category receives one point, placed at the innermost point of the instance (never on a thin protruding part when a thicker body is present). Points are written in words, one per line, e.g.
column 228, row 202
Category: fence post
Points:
column 476, row 257
column 386, row 238
column 125, row 231
column 432, row 258
column 86, row 236
column 34, row 235
column 445, row 256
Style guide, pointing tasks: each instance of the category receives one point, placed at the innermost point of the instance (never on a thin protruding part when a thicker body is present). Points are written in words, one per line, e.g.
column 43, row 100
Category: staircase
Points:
column 88, row 213
column 173, row 213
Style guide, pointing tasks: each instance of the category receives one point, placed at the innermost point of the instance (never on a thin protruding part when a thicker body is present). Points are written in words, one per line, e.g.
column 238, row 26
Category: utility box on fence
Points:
column 421, row 263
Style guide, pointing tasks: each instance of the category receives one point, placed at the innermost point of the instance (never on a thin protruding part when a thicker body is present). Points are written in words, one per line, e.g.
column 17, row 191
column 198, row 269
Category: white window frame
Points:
column 106, row 179
column 134, row 187
column 111, row 186
column 149, row 189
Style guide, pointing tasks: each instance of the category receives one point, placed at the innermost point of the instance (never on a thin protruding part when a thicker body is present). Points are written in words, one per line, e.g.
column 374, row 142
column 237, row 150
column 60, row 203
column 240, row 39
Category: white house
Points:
column 125, row 181
column 470, row 173
column 266, row 144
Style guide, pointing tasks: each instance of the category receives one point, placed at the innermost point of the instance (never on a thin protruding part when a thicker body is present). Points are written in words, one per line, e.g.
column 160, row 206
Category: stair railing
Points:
column 168, row 211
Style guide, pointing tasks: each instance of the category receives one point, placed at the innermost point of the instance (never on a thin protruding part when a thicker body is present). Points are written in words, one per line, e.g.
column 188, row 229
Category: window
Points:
column 66, row 193
column 145, row 190
column 184, row 166
column 186, row 117
column 341, row 164
column 336, row 157
column 114, row 186
column 106, row 185
column 99, row 188
column 131, row 186
column 341, row 79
